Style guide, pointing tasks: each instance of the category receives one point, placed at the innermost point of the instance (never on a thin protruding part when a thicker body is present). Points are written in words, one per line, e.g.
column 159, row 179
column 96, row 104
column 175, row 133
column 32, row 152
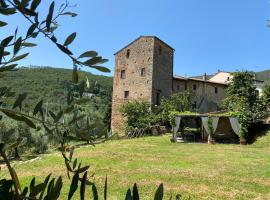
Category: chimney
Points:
column 254, row 76
column 204, row 77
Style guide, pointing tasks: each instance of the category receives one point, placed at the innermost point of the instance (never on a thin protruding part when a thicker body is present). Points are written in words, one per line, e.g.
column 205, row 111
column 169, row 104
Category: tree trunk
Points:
column 16, row 153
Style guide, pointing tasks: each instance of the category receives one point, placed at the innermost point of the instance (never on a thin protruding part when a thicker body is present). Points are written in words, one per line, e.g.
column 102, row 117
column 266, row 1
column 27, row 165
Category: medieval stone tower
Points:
column 143, row 71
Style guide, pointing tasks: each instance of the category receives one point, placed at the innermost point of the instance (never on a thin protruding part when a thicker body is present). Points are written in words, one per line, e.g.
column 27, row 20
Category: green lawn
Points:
column 200, row 171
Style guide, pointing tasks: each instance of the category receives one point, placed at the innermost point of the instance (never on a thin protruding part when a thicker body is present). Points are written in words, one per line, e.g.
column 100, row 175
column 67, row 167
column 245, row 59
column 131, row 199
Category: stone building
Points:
column 144, row 71
column 206, row 95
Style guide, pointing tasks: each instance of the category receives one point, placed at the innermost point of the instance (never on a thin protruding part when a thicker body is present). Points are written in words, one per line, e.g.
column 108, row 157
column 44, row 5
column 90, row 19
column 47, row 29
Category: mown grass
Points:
column 200, row 171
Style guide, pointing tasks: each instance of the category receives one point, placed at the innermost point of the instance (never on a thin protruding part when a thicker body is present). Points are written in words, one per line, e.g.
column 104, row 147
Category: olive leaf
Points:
column 2, row 23
column 70, row 39
column 49, row 17
column 88, row 54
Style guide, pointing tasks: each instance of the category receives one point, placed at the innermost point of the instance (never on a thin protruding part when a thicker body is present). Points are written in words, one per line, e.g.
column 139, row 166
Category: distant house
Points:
column 226, row 77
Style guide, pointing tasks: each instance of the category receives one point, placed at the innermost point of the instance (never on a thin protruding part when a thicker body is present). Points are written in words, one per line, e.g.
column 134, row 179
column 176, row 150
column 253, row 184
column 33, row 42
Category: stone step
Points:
column 179, row 139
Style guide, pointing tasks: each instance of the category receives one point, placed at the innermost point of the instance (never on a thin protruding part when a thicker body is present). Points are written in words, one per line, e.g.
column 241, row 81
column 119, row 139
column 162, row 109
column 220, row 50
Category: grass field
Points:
column 200, row 171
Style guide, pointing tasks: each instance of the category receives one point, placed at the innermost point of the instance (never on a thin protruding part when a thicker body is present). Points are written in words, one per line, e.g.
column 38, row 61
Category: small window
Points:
column 158, row 99
column 126, row 94
column 142, row 71
column 178, row 87
column 228, row 78
column 123, row 74
column 216, row 90
column 194, row 87
column 128, row 53
column 159, row 50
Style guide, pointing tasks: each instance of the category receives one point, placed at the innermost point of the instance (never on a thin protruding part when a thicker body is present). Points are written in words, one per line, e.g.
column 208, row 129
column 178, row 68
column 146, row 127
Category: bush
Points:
column 138, row 114
column 179, row 102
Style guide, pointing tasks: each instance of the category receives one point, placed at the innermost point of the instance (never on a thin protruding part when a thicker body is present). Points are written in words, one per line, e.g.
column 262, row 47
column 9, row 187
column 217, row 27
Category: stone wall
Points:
column 139, row 87
column 206, row 96
column 163, row 71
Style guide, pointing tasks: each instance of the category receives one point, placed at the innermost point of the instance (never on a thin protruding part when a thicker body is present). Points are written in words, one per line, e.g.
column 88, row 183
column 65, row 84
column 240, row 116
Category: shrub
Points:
column 138, row 114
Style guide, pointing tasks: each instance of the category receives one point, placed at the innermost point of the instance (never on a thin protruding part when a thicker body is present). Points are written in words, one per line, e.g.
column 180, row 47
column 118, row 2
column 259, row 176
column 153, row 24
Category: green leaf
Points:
column 74, row 163
column 83, row 183
column 3, row 4
column 54, row 39
column 17, row 58
column 70, row 14
column 19, row 100
column 7, row 11
column 44, row 185
column 55, row 192
column 88, row 54
column 52, row 115
column 73, row 186
column 70, row 39
column 6, row 53
column 68, row 166
column 95, row 192
column 135, row 192
column 159, row 193
column 6, row 41
column 2, row 23
column 26, row 11
column 31, row 30
column 35, row 4
column 93, row 61
column 49, row 17
column 25, row 3
column 49, row 189
column 64, row 49
column 83, row 169
column 8, row 67
column 17, row 117
column 38, row 108
column 35, row 190
column 28, row 44
column 34, row 35
column 102, row 69
column 128, row 195
column 17, row 45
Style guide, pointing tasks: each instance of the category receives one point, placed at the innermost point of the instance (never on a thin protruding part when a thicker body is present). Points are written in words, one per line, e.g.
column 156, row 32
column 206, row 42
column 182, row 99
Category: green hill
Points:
column 48, row 83
column 263, row 75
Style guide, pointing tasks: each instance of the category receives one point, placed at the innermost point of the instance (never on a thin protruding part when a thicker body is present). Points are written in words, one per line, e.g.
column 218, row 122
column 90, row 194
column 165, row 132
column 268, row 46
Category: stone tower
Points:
column 143, row 71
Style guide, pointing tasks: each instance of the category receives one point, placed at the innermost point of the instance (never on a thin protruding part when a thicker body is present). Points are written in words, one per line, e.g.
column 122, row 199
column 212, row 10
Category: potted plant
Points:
column 242, row 137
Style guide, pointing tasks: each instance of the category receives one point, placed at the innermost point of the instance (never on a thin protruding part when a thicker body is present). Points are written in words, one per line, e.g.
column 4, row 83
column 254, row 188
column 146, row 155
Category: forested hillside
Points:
column 49, row 83
column 263, row 75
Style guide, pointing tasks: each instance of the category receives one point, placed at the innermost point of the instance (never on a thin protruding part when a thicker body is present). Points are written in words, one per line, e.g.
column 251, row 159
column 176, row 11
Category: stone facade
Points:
column 206, row 96
column 143, row 71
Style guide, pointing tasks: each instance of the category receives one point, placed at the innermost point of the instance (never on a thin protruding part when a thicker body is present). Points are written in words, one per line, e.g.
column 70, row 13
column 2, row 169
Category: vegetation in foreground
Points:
column 197, row 170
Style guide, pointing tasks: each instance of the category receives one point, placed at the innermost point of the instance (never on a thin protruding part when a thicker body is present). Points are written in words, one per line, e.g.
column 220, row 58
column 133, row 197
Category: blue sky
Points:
column 207, row 35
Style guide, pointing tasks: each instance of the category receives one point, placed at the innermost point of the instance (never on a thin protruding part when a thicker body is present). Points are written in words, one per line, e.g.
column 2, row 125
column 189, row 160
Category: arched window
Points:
column 128, row 53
